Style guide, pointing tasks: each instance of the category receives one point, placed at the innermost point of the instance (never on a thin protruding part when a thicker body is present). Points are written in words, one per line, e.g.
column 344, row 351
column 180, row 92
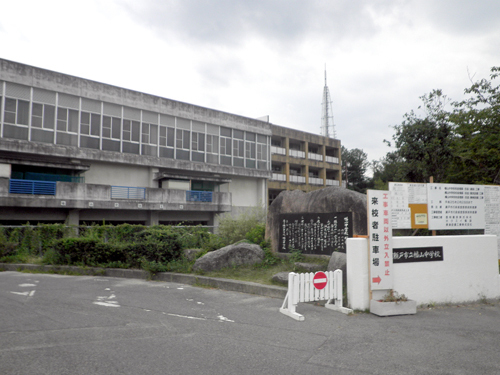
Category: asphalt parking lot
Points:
column 53, row 324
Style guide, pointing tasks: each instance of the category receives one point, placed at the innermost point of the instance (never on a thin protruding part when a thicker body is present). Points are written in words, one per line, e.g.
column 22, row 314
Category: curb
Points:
column 197, row 280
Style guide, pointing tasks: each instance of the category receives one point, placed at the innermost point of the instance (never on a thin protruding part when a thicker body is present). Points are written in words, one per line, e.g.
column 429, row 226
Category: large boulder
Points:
column 326, row 200
column 232, row 255
column 338, row 261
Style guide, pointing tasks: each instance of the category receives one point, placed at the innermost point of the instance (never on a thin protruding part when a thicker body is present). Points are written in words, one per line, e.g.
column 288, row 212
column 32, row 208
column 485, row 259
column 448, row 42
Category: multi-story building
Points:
column 79, row 151
column 302, row 161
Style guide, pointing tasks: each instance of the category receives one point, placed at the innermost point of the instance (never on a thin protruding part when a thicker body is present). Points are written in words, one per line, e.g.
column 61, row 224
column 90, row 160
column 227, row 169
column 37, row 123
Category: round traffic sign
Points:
column 319, row 280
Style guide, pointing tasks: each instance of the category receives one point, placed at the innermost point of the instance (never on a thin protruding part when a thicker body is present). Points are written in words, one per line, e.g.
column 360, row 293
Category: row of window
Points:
column 228, row 143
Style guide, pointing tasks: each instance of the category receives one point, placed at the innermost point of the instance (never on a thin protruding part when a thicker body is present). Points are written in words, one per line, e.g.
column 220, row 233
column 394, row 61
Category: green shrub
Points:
column 86, row 251
column 192, row 237
column 233, row 229
column 214, row 242
column 257, row 234
column 7, row 249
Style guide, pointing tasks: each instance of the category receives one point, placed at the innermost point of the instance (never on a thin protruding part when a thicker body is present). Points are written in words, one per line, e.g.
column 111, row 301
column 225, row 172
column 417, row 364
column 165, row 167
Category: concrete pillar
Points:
column 358, row 293
column 152, row 218
column 73, row 217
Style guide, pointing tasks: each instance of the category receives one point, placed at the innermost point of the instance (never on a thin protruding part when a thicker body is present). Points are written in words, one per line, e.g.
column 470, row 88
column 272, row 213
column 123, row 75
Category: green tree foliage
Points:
column 386, row 170
column 461, row 145
column 423, row 144
column 354, row 167
column 476, row 145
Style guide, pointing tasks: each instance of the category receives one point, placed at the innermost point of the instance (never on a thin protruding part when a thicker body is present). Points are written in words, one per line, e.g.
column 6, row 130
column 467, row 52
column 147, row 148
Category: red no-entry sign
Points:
column 319, row 280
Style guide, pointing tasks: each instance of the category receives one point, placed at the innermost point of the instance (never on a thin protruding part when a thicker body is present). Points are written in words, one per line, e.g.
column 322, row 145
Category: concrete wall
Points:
column 118, row 175
column 468, row 273
column 247, row 192
column 5, row 170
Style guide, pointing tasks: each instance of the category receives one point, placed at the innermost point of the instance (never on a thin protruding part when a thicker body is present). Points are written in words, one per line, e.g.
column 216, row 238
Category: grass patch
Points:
column 262, row 274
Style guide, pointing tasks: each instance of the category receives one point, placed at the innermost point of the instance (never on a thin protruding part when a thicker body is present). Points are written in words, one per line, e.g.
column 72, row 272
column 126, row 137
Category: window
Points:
column 111, row 127
column 182, row 139
column 261, row 147
column 131, row 130
column 198, row 142
column 238, row 148
column 90, row 124
column 167, row 136
column 149, row 134
column 67, row 120
column 250, row 150
column 16, row 111
column 43, row 116
column 212, row 143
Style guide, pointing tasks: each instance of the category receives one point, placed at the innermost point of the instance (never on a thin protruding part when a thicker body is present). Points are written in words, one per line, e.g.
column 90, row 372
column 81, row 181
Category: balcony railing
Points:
column 332, row 182
column 313, row 156
column 32, row 187
column 278, row 177
column 332, row 159
column 127, row 192
column 297, row 154
column 278, row 150
column 198, row 196
column 298, row 179
column 315, row 181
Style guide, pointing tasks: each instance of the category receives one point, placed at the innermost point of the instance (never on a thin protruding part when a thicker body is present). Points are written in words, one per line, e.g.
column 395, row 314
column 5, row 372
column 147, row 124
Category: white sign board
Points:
column 404, row 194
column 455, row 206
column 492, row 212
column 380, row 239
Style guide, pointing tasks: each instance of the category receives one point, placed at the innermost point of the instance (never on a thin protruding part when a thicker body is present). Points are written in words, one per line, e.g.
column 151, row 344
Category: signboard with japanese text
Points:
column 409, row 205
column 319, row 233
column 418, row 254
column 492, row 212
column 455, row 206
column 380, row 239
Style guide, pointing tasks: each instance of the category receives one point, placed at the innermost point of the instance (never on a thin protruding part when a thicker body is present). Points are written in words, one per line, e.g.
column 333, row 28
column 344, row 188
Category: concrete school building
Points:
column 78, row 151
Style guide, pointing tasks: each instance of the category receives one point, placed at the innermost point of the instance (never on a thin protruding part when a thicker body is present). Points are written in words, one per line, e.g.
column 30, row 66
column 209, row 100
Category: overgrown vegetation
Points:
column 153, row 249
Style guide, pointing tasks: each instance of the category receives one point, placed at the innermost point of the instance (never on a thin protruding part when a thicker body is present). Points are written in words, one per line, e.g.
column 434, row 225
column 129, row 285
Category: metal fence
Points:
column 199, row 196
column 32, row 187
column 126, row 192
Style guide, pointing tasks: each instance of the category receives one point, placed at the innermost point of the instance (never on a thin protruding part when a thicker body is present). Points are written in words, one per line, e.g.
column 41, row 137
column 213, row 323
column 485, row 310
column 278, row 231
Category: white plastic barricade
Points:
column 309, row 287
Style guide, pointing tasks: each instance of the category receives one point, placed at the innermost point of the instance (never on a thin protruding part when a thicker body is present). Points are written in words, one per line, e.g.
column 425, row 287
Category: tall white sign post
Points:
column 380, row 239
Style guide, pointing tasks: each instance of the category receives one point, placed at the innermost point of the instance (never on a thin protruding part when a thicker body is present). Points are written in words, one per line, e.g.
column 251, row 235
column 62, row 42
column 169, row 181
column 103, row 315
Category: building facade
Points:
column 78, row 151
column 302, row 161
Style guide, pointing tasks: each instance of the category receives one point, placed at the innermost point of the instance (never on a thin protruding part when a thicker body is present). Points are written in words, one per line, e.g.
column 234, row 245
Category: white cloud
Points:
column 257, row 58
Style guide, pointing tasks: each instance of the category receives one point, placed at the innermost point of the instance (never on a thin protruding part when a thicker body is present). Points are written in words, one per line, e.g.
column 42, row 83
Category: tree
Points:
column 386, row 170
column 423, row 145
column 476, row 145
column 354, row 166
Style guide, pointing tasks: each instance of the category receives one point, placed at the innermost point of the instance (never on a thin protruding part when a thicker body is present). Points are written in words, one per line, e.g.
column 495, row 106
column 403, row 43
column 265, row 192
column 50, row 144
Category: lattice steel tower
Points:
column 327, row 125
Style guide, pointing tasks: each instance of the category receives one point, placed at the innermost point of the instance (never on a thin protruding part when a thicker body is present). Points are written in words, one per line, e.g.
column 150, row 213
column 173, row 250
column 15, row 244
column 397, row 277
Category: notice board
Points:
column 315, row 233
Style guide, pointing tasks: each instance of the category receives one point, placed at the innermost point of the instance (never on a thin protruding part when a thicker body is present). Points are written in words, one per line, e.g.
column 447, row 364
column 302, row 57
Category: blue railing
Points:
column 198, row 196
column 32, row 187
column 126, row 192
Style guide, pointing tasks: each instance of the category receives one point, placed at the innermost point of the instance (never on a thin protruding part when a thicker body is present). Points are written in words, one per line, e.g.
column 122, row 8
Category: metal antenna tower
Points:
column 327, row 125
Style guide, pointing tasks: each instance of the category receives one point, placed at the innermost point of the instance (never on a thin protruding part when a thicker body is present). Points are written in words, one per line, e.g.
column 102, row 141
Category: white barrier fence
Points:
column 301, row 288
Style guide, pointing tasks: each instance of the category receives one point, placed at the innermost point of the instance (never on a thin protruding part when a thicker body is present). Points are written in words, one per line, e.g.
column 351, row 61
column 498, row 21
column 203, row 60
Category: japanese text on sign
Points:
column 315, row 233
column 454, row 206
column 380, row 239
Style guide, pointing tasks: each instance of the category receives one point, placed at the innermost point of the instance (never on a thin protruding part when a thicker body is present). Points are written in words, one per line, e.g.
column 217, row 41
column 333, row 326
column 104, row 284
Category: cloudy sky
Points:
column 256, row 57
